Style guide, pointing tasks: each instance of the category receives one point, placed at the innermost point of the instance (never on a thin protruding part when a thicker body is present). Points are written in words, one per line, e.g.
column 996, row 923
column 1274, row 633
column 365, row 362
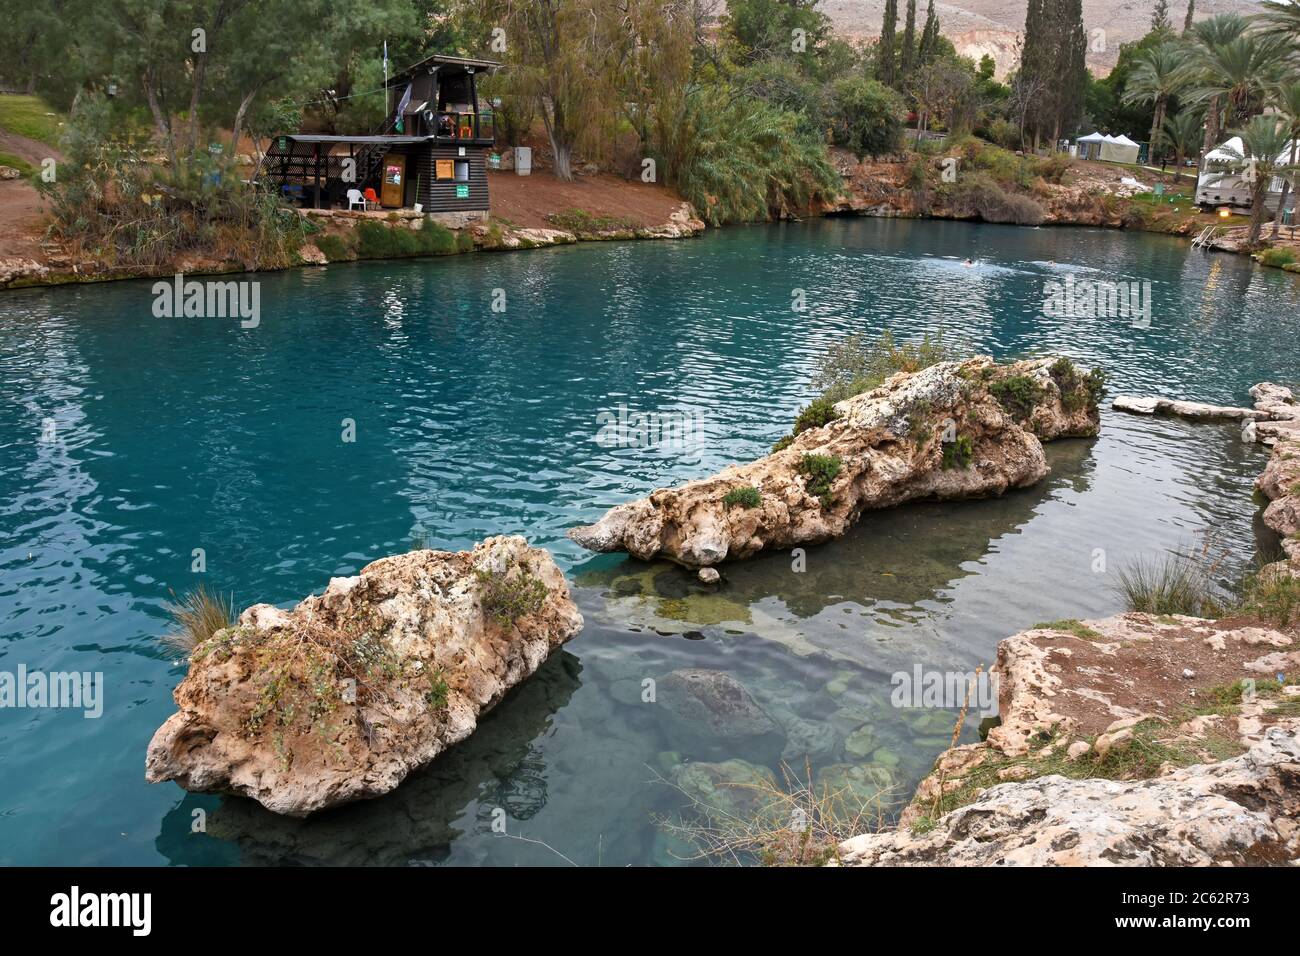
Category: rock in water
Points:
column 342, row 697
column 1240, row 811
column 712, row 715
column 954, row 430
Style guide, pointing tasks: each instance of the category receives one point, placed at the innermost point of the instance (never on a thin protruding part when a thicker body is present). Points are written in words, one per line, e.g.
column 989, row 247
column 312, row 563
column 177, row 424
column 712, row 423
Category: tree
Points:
column 1052, row 62
column 1160, row 15
column 1220, row 68
column 885, row 57
column 1265, row 143
column 1158, row 75
column 1191, row 10
column 557, row 51
column 909, row 41
column 946, row 90
column 764, row 28
column 867, row 116
column 1183, row 132
column 1286, row 99
column 930, row 37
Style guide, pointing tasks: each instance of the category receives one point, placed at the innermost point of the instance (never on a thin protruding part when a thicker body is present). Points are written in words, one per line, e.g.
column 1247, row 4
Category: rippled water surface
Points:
column 171, row 435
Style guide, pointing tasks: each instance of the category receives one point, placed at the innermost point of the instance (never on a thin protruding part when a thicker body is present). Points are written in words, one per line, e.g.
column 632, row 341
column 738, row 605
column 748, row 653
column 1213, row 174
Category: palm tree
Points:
column 1159, row 73
column 1264, row 141
column 1282, row 15
column 1183, row 132
column 1202, row 38
column 1240, row 73
column 1286, row 99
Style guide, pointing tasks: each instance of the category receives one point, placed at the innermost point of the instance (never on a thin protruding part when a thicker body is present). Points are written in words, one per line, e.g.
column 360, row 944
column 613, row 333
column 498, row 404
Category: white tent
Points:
column 1089, row 147
column 1119, row 149
column 1107, row 148
column 1222, row 183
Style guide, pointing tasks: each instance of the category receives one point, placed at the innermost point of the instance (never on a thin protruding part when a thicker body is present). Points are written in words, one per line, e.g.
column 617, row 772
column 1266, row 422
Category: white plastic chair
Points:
column 356, row 199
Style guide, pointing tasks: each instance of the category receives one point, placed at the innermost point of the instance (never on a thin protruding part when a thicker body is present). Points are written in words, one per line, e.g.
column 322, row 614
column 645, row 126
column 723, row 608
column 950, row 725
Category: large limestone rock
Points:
column 1280, row 484
column 342, row 697
column 1241, row 811
column 890, row 443
column 1097, row 695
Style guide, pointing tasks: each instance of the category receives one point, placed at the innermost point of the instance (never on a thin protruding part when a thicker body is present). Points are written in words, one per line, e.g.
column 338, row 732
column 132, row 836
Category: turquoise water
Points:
column 172, row 435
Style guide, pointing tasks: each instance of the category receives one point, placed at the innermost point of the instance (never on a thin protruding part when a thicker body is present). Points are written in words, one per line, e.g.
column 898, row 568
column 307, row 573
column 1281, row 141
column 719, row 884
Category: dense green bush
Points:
column 739, row 159
column 376, row 240
column 866, row 116
column 820, row 411
column 746, row 496
column 820, row 471
column 857, row 364
column 1018, row 394
column 114, row 205
column 958, row 452
column 335, row 248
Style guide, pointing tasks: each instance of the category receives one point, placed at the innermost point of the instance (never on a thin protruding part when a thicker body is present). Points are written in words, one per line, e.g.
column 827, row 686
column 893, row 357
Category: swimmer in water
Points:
column 968, row 263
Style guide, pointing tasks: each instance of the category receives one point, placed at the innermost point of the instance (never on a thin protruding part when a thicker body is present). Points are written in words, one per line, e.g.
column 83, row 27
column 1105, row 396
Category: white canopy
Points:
column 1094, row 137
column 1220, row 153
column 1122, row 140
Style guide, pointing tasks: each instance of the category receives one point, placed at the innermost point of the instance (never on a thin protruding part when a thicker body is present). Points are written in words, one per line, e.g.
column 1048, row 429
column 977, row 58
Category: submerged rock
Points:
column 736, row 789
column 342, row 697
column 954, row 430
column 711, row 714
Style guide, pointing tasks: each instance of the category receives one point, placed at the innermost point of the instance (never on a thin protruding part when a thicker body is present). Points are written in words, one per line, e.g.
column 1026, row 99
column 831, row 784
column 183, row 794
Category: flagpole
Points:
column 385, row 79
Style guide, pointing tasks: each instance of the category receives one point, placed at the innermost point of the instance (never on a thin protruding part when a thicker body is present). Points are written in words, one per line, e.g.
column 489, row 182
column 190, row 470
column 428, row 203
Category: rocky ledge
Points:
column 1134, row 740
column 1274, row 417
column 342, row 697
column 1280, row 484
column 954, row 430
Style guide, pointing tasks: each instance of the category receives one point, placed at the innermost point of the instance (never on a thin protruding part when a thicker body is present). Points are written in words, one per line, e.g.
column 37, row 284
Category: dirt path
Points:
column 22, row 218
column 526, row 200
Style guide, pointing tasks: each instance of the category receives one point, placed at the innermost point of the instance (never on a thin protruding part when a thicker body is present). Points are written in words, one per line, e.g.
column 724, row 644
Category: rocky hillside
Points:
column 977, row 27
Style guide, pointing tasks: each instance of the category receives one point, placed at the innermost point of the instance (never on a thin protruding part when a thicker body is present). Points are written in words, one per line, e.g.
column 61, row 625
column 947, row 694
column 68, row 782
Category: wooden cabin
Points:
column 431, row 151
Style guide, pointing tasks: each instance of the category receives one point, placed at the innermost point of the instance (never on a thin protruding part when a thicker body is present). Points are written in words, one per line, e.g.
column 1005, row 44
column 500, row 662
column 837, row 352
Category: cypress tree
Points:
column 930, row 35
column 885, row 52
column 909, row 40
column 1187, row 21
column 1160, row 15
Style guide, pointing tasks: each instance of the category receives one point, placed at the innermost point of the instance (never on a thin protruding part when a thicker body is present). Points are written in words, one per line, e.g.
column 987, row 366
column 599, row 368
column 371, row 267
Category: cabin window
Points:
column 462, row 170
column 444, row 169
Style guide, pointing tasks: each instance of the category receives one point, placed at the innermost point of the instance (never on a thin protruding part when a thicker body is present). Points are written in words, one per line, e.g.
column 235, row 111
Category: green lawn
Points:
column 30, row 116
column 9, row 159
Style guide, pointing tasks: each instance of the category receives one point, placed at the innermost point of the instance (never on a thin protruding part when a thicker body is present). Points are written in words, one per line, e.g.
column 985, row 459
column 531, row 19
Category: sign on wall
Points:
column 462, row 192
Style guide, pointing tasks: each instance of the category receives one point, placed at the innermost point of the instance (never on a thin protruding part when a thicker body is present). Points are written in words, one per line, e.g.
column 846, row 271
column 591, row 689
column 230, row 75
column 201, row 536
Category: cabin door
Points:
column 390, row 192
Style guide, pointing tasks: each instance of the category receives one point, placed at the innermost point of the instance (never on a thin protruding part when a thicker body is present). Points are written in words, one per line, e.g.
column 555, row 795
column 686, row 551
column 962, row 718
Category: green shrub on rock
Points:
column 746, row 497
column 1018, row 394
column 820, row 471
column 507, row 598
column 958, row 452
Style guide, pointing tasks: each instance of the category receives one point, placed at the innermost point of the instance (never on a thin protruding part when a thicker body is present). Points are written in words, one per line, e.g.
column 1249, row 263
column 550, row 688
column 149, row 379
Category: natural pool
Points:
column 171, row 435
